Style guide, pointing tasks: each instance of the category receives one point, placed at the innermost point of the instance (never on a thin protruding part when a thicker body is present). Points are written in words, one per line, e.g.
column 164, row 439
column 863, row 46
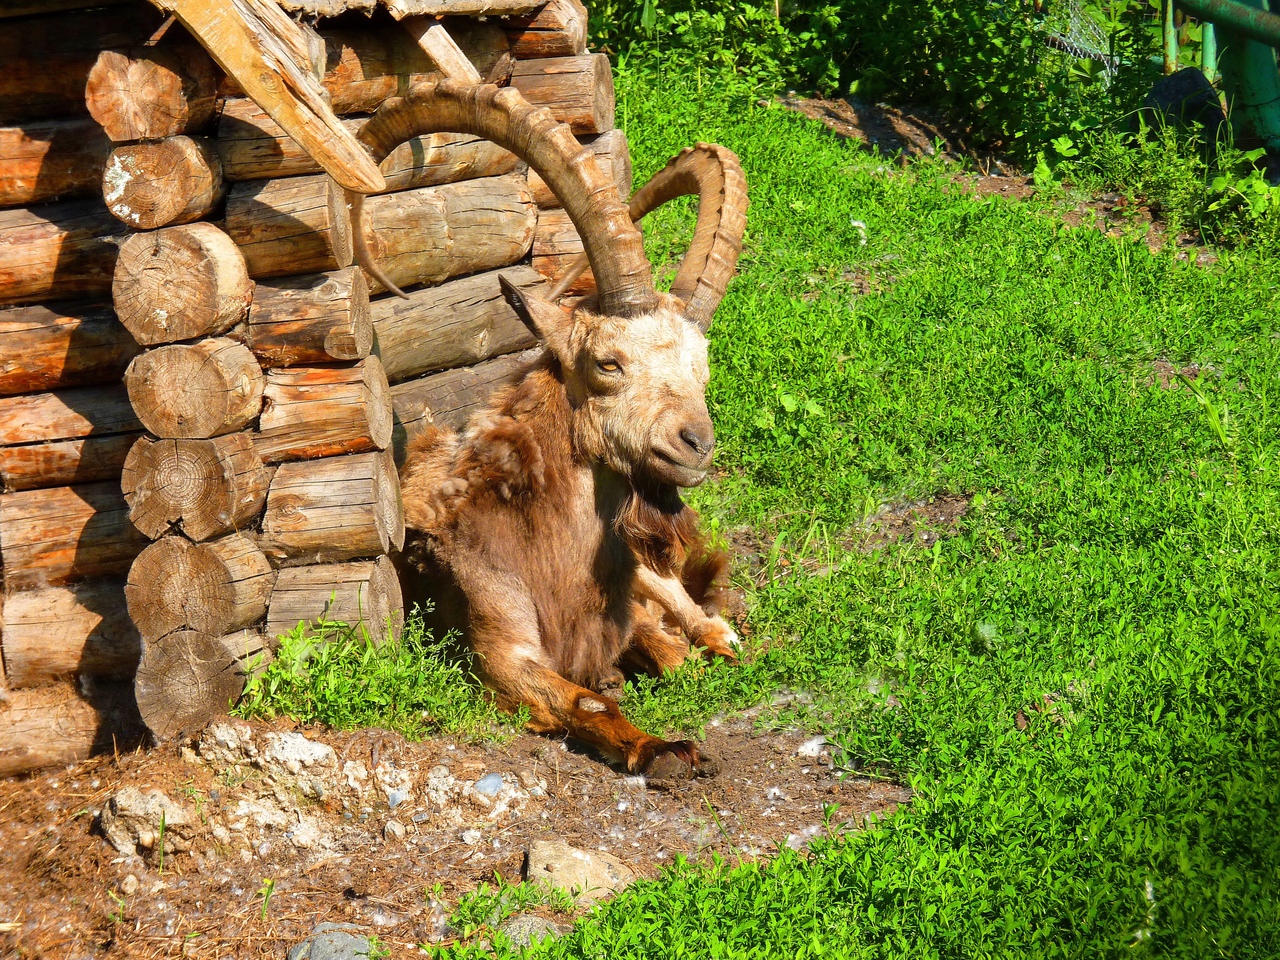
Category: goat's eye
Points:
column 609, row 366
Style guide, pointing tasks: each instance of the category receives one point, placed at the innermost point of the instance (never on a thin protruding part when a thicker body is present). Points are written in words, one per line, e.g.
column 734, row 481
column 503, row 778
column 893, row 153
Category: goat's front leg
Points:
column 712, row 634
column 650, row 648
column 509, row 661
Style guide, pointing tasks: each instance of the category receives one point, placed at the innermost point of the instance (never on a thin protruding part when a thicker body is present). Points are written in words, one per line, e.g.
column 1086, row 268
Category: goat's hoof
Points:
column 679, row 760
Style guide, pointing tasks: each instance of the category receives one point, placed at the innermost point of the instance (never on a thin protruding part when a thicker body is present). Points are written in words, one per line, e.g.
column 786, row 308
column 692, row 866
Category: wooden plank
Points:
column 432, row 37
column 267, row 54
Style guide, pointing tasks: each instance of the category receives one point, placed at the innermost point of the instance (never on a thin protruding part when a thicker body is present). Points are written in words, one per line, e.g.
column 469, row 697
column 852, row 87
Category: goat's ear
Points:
column 548, row 322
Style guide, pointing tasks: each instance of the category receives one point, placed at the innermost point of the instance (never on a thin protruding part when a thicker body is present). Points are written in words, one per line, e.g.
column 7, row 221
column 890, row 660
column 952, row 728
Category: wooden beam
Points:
column 435, row 40
column 268, row 55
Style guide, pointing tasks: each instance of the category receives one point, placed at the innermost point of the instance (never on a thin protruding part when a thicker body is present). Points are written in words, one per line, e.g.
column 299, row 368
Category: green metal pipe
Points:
column 1169, row 34
column 1209, row 51
column 1251, row 81
column 1245, row 20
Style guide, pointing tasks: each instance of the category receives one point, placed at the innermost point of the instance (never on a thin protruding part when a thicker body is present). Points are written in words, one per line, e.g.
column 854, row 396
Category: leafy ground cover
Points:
column 1079, row 685
column 1084, row 679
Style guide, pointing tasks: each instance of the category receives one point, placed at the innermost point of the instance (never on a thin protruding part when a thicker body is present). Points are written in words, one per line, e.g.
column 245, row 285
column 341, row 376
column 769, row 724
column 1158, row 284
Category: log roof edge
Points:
column 316, row 8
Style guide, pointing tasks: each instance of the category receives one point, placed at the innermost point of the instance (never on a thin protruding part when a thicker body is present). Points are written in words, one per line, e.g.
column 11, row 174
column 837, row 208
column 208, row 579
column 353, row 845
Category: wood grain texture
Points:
column 556, row 246
column 57, row 725
column 195, row 390
column 80, row 435
column 57, row 251
column 204, row 488
column 47, row 58
column 180, row 283
column 338, row 508
column 449, row 399
column 315, row 318
column 139, row 93
column 577, row 90
column 187, row 678
column 253, row 147
column 364, row 594
column 559, row 29
column 434, row 233
column 47, row 346
column 56, row 633
column 367, row 63
column 215, row 587
column 64, row 534
column 65, row 414
column 64, row 462
column 612, row 154
column 275, row 61
column 433, row 37
column 454, row 324
column 312, row 412
column 290, row 226
column 159, row 182
column 51, row 159
column 472, row 8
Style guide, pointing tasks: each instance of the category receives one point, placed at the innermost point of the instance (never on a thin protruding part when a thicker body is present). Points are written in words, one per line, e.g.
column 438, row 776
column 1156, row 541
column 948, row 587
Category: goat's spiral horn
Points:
column 715, row 175
column 613, row 244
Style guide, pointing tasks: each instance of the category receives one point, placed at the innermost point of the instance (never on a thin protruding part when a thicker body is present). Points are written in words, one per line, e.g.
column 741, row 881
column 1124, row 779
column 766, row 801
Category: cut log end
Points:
column 153, row 184
column 179, row 283
column 206, row 488
column 152, row 92
column 196, row 390
column 213, row 587
column 187, row 678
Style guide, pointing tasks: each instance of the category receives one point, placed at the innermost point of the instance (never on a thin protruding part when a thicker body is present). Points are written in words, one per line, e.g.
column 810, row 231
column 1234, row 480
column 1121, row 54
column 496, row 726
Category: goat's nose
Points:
column 699, row 436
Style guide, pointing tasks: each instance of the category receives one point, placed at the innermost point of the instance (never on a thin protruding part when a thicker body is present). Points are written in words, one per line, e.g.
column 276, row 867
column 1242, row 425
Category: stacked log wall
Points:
column 200, row 395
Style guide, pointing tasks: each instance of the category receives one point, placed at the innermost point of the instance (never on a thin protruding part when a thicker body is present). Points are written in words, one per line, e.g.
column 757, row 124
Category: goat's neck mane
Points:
column 652, row 519
column 657, row 526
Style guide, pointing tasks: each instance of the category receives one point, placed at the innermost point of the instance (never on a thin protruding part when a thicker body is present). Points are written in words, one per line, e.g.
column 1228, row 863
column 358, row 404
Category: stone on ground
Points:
column 589, row 875
column 333, row 941
column 145, row 818
column 527, row 928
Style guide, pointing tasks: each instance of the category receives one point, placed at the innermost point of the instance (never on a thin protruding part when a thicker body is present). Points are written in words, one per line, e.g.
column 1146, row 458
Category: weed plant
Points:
column 1085, row 677
column 331, row 674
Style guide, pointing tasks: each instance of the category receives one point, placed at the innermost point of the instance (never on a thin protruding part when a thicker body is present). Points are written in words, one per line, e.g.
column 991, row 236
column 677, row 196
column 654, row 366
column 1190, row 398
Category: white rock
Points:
column 393, row 830
column 139, row 818
column 589, row 875
column 293, row 751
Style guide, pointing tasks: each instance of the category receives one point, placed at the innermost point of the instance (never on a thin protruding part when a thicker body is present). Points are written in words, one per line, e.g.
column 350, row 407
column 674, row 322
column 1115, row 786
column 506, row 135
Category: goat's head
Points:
column 636, row 385
column 634, row 360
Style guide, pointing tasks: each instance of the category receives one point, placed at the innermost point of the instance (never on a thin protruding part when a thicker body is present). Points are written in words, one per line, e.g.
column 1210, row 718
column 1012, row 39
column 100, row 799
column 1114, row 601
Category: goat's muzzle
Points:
column 682, row 454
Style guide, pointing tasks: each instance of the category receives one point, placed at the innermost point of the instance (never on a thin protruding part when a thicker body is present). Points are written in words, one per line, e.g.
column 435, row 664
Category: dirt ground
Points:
column 367, row 828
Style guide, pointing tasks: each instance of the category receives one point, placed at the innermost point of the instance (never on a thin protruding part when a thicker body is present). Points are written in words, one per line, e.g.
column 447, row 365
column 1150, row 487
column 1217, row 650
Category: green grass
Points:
column 331, row 674
column 1123, row 553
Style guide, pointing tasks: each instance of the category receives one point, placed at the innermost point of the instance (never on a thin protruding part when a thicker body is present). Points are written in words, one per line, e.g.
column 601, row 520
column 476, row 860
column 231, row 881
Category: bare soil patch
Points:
column 917, row 521
column 361, row 827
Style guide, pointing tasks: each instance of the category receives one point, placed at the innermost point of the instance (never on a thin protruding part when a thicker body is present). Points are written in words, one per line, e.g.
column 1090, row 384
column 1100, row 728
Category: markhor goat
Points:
column 556, row 514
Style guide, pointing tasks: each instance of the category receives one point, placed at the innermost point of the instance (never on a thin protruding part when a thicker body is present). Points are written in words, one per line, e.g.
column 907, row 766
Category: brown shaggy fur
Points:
column 541, row 544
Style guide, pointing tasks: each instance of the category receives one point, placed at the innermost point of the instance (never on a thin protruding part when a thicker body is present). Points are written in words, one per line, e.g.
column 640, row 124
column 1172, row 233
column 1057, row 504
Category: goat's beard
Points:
column 655, row 523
